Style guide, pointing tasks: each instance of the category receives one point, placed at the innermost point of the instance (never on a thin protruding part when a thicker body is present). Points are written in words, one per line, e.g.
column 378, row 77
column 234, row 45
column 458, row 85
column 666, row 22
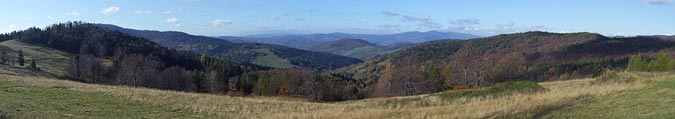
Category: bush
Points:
column 517, row 87
column 500, row 89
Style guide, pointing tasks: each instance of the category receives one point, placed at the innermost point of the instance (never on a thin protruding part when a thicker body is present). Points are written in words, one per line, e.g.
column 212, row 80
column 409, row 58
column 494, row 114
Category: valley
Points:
column 346, row 59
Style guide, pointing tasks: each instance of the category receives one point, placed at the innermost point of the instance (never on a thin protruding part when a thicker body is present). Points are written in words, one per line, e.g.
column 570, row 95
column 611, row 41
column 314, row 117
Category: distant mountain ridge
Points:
column 255, row 53
column 310, row 40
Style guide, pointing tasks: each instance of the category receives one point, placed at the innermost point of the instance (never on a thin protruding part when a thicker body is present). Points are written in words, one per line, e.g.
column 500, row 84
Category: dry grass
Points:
column 560, row 94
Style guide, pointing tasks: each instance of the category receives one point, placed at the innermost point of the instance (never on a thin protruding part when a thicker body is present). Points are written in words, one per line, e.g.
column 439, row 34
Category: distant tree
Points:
column 21, row 59
column 33, row 65
column 6, row 55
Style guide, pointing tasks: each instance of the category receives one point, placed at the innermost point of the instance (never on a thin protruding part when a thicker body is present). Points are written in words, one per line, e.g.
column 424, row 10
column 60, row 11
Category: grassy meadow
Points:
column 649, row 96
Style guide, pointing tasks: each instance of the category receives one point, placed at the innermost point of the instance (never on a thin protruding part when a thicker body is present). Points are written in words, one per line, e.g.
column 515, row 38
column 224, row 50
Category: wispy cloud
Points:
column 110, row 10
column 658, row 2
column 464, row 22
column 407, row 18
column 425, row 21
column 49, row 17
column 142, row 12
column 172, row 20
column 73, row 13
column 167, row 13
column 221, row 22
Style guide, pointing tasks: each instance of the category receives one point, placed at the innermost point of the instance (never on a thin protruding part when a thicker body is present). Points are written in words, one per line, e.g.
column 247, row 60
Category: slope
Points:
column 97, row 101
column 534, row 56
column 21, row 100
column 88, row 53
column 48, row 59
column 256, row 53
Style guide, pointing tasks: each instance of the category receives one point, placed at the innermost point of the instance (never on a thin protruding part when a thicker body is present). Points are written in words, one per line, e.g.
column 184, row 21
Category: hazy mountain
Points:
column 311, row 40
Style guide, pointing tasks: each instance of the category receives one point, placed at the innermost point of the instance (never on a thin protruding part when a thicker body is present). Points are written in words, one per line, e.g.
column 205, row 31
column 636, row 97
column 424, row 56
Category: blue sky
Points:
column 246, row 17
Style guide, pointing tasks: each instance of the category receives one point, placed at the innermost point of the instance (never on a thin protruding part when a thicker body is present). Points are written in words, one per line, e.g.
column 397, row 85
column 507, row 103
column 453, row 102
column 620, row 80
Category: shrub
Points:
column 517, row 87
column 500, row 89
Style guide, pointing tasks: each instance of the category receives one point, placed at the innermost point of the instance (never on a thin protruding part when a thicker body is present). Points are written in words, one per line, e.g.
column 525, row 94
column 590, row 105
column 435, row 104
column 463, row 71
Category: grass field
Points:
column 50, row 60
column 650, row 97
column 26, row 101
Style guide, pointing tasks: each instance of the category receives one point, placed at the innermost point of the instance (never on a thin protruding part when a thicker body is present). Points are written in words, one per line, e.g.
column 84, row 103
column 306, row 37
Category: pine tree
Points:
column 21, row 60
column 33, row 65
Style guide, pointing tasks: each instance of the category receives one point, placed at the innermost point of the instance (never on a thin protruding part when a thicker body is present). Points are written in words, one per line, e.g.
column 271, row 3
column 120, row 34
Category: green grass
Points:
column 48, row 59
column 27, row 101
column 656, row 100
column 271, row 60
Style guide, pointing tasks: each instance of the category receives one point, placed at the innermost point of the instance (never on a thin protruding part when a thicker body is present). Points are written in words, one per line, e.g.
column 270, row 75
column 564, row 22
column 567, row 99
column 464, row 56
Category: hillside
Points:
column 33, row 96
column 255, row 53
column 311, row 40
column 356, row 48
column 87, row 53
column 533, row 56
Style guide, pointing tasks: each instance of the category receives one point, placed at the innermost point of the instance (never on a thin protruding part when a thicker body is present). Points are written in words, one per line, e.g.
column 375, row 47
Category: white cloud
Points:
column 658, row 2
column 142, row 12
column 73, row 13
column 167, row 13
column 49, row 17
column 172, row 20
column 423, row 18
column 221, row 22
column 110, row 10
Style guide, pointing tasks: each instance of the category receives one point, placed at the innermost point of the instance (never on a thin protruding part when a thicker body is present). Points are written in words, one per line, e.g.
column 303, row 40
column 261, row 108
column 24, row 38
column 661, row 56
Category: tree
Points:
column 21, row 59
column 636, row 63
column 33, row 65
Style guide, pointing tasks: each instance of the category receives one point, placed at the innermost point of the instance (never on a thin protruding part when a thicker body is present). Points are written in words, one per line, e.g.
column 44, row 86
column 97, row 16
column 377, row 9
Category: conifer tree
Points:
column 21, row 60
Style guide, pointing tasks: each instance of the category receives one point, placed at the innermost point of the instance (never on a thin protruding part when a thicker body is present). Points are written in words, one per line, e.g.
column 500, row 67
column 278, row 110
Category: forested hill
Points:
column 534, row 56
column 110, row 57
column 357, row 48
column 255, row 53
